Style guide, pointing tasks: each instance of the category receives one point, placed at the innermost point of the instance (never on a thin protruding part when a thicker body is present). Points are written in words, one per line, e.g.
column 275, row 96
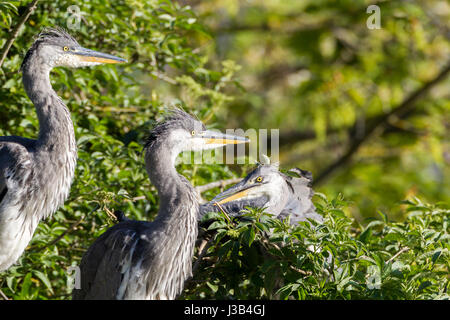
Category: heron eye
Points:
column 66, row 48
column 193, row 132
column 259, row 179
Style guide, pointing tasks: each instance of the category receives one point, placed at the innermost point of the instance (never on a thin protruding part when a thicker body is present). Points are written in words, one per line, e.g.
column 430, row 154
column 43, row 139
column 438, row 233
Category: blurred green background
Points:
column 367, row 111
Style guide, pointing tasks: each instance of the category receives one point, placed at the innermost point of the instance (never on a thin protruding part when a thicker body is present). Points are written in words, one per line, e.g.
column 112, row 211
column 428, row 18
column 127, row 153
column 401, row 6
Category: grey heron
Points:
column 142, row 260
column 36, row 175
column 282, row 195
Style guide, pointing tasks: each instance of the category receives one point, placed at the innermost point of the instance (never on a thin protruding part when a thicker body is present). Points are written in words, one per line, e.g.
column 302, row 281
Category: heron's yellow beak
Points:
column 220, row 138
column 89, row 55
column 232, row 197
column 99, row 60
column 238, row 191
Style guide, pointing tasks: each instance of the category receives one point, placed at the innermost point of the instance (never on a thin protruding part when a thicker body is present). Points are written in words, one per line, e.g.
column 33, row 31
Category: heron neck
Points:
column 173, row 189
column 55, row 125
column 161, row 170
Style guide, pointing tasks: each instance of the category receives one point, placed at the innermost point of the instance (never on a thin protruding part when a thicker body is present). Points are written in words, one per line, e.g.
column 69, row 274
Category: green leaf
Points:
column 217, row 225
column 248, row 236
column 43, row 277
column 26, row 284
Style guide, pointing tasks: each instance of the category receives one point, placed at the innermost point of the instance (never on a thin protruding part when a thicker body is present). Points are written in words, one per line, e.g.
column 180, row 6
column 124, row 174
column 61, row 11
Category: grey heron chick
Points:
column 142, row 260
column 266, row 187
column 36, row 175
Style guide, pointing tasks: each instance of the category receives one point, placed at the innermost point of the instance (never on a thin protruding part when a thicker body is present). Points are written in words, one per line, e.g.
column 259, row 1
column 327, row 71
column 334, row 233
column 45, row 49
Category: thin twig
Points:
column 164, row 77
column 3, row 295
column 203, row 248
column 303, row 272
column 110, row 214
column 404, row 249
column 223, row 211
column 136, row 198
column 72, row 227
column 15, row 32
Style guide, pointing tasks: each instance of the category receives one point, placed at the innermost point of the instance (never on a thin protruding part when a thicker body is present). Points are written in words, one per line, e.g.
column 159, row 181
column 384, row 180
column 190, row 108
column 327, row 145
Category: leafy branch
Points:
column 15, row 32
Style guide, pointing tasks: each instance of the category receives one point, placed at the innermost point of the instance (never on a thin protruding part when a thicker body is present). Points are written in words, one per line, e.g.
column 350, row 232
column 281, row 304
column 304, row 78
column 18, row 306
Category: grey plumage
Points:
column 282, row 195
column 151, row 260
column 35, row 175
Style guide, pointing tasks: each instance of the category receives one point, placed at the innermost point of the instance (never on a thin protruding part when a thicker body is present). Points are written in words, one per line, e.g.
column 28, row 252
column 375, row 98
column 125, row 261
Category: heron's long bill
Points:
column 236, row 192
column 221, row 138
column 95, row 56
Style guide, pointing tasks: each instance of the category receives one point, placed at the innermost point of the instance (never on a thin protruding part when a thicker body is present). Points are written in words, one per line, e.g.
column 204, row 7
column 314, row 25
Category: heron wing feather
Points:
column 15, row 168
column 107, row 262
column 299, row 205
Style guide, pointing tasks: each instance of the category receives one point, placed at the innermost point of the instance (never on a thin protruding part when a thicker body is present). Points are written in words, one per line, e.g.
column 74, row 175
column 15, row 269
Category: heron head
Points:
column 182, row 132
column 267, row 187
column 264, row 185
column 54, row 47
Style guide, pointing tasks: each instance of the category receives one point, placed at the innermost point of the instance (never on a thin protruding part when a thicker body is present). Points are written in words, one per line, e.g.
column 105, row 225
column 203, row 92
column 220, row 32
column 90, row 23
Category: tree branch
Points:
column 379, row 124
column 202, row 250
column 216, row 184
column 15, row 32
